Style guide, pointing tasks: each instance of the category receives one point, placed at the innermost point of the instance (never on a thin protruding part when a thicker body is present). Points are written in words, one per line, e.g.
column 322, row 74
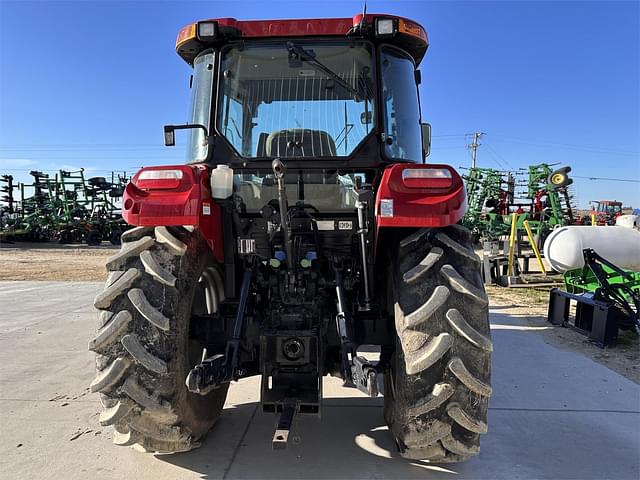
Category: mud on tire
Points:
column 143, row 344
column 437, row 391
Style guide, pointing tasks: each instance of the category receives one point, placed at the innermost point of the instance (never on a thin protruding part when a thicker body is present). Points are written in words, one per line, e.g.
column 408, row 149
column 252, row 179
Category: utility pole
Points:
column 474, row 146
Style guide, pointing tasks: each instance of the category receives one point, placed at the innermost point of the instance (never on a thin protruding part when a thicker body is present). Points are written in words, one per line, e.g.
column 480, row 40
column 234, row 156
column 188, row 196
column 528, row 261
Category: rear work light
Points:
column 159, row 179
column 427, row 178
column 386, row 27
column 207, row 31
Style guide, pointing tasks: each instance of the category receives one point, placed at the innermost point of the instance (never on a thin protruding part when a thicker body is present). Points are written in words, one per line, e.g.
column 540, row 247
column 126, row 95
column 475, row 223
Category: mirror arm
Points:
column 169, row 135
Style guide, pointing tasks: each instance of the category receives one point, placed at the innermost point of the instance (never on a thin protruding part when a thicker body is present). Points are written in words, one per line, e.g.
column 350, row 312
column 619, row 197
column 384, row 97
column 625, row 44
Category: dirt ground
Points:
column 41, row 261
column 51, row 261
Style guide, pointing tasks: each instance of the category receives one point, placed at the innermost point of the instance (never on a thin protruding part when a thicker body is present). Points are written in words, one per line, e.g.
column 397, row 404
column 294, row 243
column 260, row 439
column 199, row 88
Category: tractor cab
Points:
column 608, row 207
column 606, row 211
column 337, row 91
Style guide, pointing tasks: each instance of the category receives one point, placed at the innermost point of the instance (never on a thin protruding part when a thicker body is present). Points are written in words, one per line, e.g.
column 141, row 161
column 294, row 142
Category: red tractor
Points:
column 606, row 211
column 305, row 226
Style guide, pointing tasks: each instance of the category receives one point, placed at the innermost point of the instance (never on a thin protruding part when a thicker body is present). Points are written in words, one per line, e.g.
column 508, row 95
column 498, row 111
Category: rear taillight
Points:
column 425, row 177
column 159, row 179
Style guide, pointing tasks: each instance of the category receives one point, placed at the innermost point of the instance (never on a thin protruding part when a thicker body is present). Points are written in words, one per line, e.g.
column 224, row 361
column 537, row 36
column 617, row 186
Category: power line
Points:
column 490, row 149
column 78, row 145
column 608, row 179
column 570, row 146
column 437, row 148
column 597, row 147
column 497, row 160
column 69, row 149
column 83, row 150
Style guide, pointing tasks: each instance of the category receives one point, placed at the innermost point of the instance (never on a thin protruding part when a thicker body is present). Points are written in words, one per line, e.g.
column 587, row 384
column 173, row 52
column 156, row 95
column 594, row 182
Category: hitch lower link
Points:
column 207, row 375
column 358, row 371
column 364, row 375
column 218, row 369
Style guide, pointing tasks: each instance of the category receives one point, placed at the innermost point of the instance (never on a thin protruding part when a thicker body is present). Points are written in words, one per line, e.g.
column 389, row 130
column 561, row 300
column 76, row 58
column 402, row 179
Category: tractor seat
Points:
column 300, row 142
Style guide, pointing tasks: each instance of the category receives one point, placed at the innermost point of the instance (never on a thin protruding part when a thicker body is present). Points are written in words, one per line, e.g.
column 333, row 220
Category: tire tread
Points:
column 437, row 402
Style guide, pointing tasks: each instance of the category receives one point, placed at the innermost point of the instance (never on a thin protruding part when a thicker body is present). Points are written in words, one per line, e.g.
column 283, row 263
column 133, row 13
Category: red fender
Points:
column 172, row 196
column 420, row 195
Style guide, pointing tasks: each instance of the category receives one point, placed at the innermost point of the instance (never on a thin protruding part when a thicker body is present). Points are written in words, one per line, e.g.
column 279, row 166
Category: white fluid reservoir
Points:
column 620, row 245
column 221, row 182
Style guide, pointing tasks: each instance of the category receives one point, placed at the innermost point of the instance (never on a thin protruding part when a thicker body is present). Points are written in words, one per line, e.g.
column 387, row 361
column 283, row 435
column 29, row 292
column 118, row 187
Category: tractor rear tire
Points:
column 438, row 387
column 144, row 344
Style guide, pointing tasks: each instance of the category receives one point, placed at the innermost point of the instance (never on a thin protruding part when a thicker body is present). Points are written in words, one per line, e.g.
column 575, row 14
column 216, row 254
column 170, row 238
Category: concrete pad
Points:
column 528, row 373
column 554, row 413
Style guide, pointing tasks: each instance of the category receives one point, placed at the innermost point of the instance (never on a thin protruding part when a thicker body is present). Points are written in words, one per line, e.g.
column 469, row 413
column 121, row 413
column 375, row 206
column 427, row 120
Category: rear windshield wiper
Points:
column 298, row 53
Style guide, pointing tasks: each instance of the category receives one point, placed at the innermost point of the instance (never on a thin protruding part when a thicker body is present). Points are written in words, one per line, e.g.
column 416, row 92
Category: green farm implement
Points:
column 607, row 298
column 493, row 198
column 66, row 207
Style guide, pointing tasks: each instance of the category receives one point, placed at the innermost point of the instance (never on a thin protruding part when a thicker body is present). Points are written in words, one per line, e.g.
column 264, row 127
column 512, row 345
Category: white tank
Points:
column 221, row 182
column 620, row 245
column 629, row 221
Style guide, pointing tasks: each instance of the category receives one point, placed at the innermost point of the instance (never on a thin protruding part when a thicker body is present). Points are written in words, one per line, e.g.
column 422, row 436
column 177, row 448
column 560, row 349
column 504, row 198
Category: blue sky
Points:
column 91, row 83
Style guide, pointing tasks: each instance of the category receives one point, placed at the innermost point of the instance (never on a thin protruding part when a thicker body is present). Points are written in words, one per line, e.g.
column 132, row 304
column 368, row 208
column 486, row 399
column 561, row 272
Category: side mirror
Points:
column 426, row 139
column 169, row 136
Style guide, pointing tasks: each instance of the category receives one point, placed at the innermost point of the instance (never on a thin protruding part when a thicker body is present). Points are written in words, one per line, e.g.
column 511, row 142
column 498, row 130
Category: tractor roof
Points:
column 407, row 34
